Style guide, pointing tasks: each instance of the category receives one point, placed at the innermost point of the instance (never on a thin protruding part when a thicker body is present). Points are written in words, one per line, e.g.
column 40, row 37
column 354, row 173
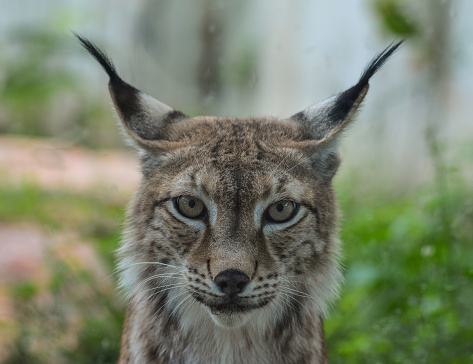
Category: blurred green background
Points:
column 405, row 187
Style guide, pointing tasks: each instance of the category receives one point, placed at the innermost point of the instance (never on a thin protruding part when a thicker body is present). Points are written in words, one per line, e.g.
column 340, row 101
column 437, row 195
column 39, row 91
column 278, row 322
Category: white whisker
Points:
column 274, row 169
column 164, row 290
column 175, row 309
column 165, row 286
column 287, row 170
column 204, row 169
column 151, row 263
column 290, row 298
column 166, row 277
column 296, row 292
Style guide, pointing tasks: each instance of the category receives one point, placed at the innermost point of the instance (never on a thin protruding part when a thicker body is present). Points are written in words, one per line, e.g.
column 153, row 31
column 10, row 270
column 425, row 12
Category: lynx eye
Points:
column 281, row 211
column 189, row 206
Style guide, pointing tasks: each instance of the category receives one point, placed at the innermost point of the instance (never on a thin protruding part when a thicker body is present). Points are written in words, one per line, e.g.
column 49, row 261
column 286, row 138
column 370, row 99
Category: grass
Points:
column 408, row 280
column 407, row 296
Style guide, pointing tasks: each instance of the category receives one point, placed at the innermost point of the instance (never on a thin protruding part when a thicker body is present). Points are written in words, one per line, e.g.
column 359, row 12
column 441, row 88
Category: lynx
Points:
column 230, row 252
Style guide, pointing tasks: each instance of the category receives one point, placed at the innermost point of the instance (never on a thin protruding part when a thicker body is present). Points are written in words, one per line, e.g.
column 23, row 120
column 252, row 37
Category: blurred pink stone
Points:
column 51, row 165
column 22, row 250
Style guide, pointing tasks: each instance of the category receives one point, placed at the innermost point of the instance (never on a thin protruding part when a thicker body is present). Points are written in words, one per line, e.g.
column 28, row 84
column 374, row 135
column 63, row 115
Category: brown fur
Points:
column 172, row 265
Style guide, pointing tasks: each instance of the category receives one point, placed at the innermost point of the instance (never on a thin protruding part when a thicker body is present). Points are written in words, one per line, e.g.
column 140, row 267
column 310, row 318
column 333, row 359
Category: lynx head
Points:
column 234, row 219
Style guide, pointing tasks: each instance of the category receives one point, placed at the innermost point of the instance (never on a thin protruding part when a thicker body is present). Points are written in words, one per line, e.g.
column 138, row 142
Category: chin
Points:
column 230, row 319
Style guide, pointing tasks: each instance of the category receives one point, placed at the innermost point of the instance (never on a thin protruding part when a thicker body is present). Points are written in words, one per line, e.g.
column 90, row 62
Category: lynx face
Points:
column 230, row 252
column 235, row 220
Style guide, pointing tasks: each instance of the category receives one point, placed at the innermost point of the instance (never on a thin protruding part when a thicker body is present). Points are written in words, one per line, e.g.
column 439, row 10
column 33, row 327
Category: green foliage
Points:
column 394, row 18
column 409, row 281
column 24, row 291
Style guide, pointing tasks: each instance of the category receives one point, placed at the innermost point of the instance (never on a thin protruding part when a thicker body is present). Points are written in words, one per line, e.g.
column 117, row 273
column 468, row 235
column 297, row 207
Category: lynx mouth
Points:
column 236, row 305
column 228, row 309
column 233, row 306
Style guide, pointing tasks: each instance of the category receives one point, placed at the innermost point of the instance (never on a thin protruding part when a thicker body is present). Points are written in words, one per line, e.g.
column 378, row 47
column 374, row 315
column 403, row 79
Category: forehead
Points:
column 227, row 136
column 234, row 156
column 235, row 144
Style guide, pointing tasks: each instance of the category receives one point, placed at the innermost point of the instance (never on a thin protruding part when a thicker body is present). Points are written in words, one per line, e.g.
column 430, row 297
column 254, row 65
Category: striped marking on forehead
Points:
column 250, row 138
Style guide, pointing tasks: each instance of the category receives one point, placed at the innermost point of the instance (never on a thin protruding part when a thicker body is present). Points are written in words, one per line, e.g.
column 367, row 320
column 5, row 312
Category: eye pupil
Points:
column 280, row 207
column 191, row 204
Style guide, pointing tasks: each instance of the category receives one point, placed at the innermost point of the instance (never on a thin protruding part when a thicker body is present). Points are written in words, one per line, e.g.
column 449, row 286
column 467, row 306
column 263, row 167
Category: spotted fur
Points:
column 169, row 263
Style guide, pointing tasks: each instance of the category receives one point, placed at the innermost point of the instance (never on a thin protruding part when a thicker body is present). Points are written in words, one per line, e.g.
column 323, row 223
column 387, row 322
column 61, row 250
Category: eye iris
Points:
column 281, row 211
column 190, row 206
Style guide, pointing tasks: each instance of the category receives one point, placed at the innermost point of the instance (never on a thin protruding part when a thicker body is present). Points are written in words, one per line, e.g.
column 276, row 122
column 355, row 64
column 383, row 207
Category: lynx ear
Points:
column 323, row 123
column 144, row 118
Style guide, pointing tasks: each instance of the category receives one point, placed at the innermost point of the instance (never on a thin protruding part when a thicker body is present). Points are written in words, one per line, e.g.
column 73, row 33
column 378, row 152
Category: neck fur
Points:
column 295, row 335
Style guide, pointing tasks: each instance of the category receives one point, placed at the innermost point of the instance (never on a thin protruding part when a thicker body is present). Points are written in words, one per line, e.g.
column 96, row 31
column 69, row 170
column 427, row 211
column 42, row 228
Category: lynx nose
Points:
column 231, row 282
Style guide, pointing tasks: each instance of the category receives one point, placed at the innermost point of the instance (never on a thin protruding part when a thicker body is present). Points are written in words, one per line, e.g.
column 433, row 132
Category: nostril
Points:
column 231, row 282
column 241, row 285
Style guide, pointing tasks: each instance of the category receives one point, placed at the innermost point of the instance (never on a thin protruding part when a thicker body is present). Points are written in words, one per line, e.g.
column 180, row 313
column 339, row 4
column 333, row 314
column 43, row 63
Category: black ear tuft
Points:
column 100, row 56
column 347, row 98
column 328, row 118
column 145, row 119
column 378, row 61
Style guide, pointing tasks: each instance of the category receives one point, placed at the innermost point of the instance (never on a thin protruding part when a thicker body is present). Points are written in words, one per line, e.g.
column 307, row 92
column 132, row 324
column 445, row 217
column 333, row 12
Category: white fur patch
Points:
column 153, row 107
